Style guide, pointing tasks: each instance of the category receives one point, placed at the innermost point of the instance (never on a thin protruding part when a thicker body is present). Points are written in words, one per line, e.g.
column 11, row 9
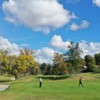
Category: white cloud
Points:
column 83, row 25
column 40, row 15
column 44, row 55
column 11, row 48
column 96, row 2
column 57, row 42
column 74, row 27
column 89, row 48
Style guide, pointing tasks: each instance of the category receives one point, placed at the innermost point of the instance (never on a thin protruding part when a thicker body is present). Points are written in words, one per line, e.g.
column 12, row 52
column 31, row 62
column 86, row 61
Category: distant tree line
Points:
column 71, row 62
column 67, row 63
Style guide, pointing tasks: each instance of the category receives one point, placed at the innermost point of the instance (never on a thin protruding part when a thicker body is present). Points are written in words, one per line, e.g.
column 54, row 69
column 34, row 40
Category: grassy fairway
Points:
column 28, row 89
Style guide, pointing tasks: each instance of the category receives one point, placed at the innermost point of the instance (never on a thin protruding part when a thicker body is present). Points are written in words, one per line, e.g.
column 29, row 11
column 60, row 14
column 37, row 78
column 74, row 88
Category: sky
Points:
column 48, row 26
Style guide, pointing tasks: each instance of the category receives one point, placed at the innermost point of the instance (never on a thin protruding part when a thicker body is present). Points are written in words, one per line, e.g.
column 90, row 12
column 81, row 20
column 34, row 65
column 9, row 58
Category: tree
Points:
column 90, row 63
column 4, row 62
column 76, row 65
column 74, row 51
column 46, row 69
column 97, row 58
column 60, row 66
column 32, row 66
column 20, row 65
column 1, row 59
column 43, row 68
column 75, row 62
column 49, row 69
column 13, row 69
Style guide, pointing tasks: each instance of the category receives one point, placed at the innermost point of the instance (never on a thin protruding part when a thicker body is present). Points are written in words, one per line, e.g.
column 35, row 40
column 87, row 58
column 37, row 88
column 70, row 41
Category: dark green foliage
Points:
column 75, row 62
column 46, row 69
column 54, row 77
column 90, row 63
column 97, row 59
column 97, row 70
column 74, row 51
column 43, row 68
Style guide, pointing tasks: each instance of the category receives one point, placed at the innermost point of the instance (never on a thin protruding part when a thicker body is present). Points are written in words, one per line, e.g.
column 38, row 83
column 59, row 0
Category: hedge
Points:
column 53, row 77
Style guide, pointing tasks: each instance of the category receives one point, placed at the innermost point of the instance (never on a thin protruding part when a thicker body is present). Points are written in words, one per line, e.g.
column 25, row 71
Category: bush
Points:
column 97, row 69
column 54, row 77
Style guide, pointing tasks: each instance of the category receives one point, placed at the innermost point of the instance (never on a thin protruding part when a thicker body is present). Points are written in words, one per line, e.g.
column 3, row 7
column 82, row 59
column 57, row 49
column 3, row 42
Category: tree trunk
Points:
column 16, row 76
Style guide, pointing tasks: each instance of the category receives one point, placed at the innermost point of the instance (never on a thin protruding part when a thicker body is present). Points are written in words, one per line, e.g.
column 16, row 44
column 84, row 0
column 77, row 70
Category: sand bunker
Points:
column 4, row 87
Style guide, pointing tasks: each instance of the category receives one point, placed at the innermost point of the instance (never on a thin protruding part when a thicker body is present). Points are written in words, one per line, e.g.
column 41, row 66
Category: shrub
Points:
column 97, row 69
column 54, row 77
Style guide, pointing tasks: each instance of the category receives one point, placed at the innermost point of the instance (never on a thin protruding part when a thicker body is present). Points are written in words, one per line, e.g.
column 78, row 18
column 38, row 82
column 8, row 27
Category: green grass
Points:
column 27, row 88
column 5, row 78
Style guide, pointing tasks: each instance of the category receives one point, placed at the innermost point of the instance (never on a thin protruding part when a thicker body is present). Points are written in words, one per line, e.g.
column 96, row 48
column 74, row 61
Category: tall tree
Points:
column 73, row 58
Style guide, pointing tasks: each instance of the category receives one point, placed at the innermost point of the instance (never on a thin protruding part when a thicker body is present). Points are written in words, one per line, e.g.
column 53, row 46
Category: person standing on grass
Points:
column 80, row 82
column 40, row 80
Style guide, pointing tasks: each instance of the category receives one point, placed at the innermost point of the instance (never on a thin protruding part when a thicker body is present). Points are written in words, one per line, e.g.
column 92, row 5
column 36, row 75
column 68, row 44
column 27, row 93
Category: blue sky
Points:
column 48, row 25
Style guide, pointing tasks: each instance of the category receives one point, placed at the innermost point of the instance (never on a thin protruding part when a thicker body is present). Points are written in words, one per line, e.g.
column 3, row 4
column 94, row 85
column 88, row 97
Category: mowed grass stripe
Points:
column 27, row 88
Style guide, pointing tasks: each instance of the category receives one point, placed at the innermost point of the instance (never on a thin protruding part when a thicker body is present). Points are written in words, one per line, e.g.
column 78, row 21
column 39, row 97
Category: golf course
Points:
column 49, row 49
column 27, row 88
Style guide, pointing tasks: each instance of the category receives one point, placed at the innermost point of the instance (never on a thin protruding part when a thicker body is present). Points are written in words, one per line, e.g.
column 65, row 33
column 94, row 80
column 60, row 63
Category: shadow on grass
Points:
column 54, row 77
column 3, row 81
column 97, row 77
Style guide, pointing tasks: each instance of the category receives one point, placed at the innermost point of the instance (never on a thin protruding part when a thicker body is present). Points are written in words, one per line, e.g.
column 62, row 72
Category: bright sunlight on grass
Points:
column 27, row 88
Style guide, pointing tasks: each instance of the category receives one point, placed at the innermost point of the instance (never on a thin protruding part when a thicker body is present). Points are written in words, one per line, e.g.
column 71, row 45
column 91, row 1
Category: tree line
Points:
column 67, row 63
column 71, row 62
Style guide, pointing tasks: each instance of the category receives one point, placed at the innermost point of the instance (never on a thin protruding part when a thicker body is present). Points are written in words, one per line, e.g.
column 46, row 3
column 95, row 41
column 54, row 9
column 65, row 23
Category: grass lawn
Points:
column 27, row 88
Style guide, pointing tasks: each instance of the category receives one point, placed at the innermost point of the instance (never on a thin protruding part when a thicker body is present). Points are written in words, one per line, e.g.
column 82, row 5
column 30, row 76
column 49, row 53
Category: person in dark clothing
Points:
column 80, row 82
column 40, row 80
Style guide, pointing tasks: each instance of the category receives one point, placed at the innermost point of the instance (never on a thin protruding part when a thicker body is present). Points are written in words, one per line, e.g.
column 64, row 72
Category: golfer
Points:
column 40, row 80
column 80, row 82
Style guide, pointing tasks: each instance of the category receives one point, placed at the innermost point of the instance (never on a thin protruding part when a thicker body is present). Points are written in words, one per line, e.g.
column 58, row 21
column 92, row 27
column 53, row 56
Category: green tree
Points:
column 75, row 62
column 43, row 68
column 90, row 63
column 49, row 69
column 97, row 58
